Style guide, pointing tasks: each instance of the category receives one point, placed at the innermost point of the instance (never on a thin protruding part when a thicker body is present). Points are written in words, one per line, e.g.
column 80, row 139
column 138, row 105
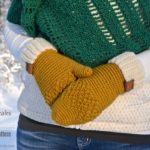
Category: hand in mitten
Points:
column 86, row 98
column 53, row 71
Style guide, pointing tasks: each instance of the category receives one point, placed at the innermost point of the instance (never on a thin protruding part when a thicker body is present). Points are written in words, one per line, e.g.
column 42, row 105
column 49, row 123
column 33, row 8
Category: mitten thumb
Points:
column 81, row 70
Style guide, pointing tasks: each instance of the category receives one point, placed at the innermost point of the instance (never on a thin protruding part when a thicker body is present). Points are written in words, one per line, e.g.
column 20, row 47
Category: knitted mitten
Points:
column 86, row 98
column 53, row 72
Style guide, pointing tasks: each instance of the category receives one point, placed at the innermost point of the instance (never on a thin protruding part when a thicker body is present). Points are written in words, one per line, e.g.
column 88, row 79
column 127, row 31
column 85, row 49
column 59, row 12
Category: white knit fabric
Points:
column 16, row 39
column 27, row 48
column 34, row 48
column 145, row 60
column 131, row 67
column 130, row 112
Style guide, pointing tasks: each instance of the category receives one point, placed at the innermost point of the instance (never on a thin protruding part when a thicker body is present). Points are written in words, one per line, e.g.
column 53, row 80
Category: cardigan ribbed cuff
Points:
column 34, row 48
column 131, row 68
column 144, row 58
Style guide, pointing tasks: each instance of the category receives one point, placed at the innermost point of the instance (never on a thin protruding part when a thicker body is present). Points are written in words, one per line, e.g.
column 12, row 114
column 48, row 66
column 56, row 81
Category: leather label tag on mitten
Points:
column 128, row 85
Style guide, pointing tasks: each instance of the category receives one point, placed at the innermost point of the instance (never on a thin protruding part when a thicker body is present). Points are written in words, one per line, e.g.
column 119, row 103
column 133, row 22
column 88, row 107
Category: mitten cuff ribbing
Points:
column 34, row 48
column 131, row 67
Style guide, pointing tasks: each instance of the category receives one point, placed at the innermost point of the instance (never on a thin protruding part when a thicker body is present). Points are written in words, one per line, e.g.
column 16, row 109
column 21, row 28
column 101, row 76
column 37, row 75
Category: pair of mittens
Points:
column 76, row 93
column 86, row 98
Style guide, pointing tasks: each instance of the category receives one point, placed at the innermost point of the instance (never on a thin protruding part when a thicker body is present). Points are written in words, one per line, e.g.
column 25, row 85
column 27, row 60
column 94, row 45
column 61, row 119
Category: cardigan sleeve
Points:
column 144, row 57
column 16, row 39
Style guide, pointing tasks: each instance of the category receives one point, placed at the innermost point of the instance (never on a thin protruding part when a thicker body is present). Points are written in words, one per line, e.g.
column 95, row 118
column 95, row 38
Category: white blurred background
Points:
column 10, row 88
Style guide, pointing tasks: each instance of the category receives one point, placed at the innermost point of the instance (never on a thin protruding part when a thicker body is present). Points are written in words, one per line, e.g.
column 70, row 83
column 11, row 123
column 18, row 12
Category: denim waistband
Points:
column 34, row 126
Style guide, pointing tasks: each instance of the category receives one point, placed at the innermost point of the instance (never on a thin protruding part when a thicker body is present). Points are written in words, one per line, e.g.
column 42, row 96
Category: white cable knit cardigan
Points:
column 130, row 112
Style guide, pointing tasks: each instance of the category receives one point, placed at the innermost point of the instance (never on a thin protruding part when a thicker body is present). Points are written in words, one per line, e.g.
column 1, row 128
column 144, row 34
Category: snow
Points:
column 10, row 88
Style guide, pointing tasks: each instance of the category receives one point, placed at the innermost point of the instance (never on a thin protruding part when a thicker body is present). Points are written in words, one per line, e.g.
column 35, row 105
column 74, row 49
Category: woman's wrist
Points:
column 132, row 69
column 34, row 48
column 23, row 46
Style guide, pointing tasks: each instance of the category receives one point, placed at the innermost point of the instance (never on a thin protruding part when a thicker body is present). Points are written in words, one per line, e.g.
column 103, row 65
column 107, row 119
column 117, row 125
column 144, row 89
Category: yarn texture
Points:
column 86, row 98
column 129, row 113
column 91, row 31
column 54, row 72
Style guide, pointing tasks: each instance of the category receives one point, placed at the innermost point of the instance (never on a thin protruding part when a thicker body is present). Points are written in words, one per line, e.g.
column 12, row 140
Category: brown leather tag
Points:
column 128, row 85
column 29, row 68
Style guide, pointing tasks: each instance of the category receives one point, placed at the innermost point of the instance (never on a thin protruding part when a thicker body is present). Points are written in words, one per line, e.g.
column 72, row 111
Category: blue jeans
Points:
column 27, row 140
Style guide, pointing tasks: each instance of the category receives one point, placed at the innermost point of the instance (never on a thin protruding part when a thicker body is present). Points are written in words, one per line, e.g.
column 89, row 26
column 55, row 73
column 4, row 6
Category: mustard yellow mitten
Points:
column 86, row 98
column 54, row 72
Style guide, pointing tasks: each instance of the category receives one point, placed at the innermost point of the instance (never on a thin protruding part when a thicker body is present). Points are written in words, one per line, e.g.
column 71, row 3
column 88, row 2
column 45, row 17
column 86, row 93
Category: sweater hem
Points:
column 91, row 126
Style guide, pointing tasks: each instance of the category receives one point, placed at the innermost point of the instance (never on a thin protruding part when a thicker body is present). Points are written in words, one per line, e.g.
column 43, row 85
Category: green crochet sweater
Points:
column 89, row 31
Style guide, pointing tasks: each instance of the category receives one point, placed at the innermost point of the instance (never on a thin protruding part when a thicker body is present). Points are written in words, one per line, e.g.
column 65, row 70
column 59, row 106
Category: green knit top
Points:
column 89, row 31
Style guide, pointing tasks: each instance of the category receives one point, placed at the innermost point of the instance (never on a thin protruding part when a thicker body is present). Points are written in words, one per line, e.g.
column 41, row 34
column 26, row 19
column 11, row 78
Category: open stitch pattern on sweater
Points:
column 89, row 31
